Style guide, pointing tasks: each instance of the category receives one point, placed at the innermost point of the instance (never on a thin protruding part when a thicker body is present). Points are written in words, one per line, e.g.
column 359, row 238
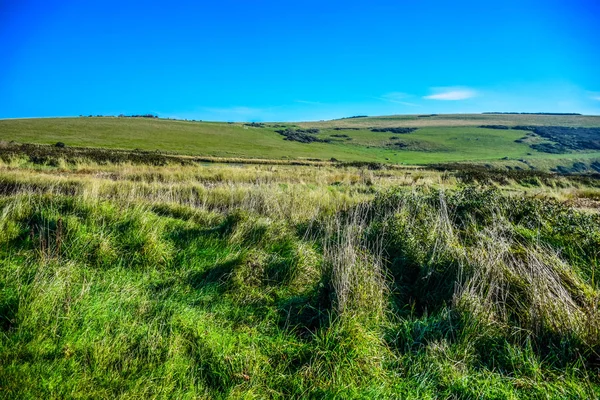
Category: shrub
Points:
column 565, row 138
column 302, row 135
column 494, row 126
column 394, row 130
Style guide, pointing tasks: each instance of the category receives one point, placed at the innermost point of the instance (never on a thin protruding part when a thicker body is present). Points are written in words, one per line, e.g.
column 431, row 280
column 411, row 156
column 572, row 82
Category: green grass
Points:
column 273, row 282
column 449, row 138
column 460, row 120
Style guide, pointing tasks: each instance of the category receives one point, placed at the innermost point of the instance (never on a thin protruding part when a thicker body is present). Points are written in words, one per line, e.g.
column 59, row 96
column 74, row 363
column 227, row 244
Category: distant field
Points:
column 443, row 138
column 461, row 120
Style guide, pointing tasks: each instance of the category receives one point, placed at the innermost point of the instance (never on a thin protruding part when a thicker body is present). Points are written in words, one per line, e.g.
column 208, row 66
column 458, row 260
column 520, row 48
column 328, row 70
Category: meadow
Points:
column 149, row 258
column 123, row 279
column 443, row 138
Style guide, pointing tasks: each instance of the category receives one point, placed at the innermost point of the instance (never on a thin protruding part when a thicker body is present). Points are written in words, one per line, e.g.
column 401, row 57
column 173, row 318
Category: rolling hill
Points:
column 436, row 139
column 136, row 274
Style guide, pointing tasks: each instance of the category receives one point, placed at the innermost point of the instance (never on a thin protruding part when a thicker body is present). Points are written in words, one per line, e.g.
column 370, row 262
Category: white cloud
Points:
column 596, row 98
column 451, row 93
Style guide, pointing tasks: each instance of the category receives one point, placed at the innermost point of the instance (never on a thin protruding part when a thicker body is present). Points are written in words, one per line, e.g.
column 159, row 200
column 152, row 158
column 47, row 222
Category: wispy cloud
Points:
column 235, row 113
column 308, row 102
column 397, row 98
column 394, row 96
column 241, row 110
column 592, row 95
column 406, row 103
column 451, row 93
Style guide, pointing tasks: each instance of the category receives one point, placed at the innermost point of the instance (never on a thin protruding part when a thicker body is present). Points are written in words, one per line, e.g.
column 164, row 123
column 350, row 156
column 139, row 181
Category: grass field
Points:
column 151, row 275
column 460, row 120
column 278, row 281
column 448, row 138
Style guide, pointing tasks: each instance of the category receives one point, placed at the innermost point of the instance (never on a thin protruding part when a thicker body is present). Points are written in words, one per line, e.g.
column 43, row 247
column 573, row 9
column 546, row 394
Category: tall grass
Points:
column 281, row 282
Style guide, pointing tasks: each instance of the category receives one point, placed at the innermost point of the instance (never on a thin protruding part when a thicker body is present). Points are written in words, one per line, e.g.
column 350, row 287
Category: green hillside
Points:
column 144, row 275
column 438, row 138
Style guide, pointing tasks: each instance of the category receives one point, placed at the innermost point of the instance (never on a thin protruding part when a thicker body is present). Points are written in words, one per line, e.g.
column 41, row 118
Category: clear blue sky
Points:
column 297, row 60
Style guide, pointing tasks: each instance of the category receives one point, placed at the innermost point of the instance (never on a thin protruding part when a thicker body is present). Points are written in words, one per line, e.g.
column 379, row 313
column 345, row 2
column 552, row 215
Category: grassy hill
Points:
column 444, row 120
column 439, row 138
column 134, row 274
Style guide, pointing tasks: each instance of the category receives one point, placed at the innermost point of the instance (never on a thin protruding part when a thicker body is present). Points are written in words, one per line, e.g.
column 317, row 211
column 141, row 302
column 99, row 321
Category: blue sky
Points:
column 297, row 60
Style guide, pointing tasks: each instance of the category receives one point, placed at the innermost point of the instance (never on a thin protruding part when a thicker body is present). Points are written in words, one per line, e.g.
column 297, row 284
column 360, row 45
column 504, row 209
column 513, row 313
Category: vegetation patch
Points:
column 576, row 168
column 565, row 138
column 302, row 135
column 394, row 130
column 255, row 125
column 398, row 145
column 341, row 136
column 134, row 116
column 551, row 148
column 494, row 126
column 54, row 155
column 482, row 174
column 529, row 113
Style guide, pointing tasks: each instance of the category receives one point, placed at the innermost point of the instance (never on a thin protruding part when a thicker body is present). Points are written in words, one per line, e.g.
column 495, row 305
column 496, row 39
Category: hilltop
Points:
column 398, row 139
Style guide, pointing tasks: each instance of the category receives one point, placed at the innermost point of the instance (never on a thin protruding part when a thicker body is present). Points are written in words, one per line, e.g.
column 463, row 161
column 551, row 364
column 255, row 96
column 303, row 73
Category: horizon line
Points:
column 309, row 120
